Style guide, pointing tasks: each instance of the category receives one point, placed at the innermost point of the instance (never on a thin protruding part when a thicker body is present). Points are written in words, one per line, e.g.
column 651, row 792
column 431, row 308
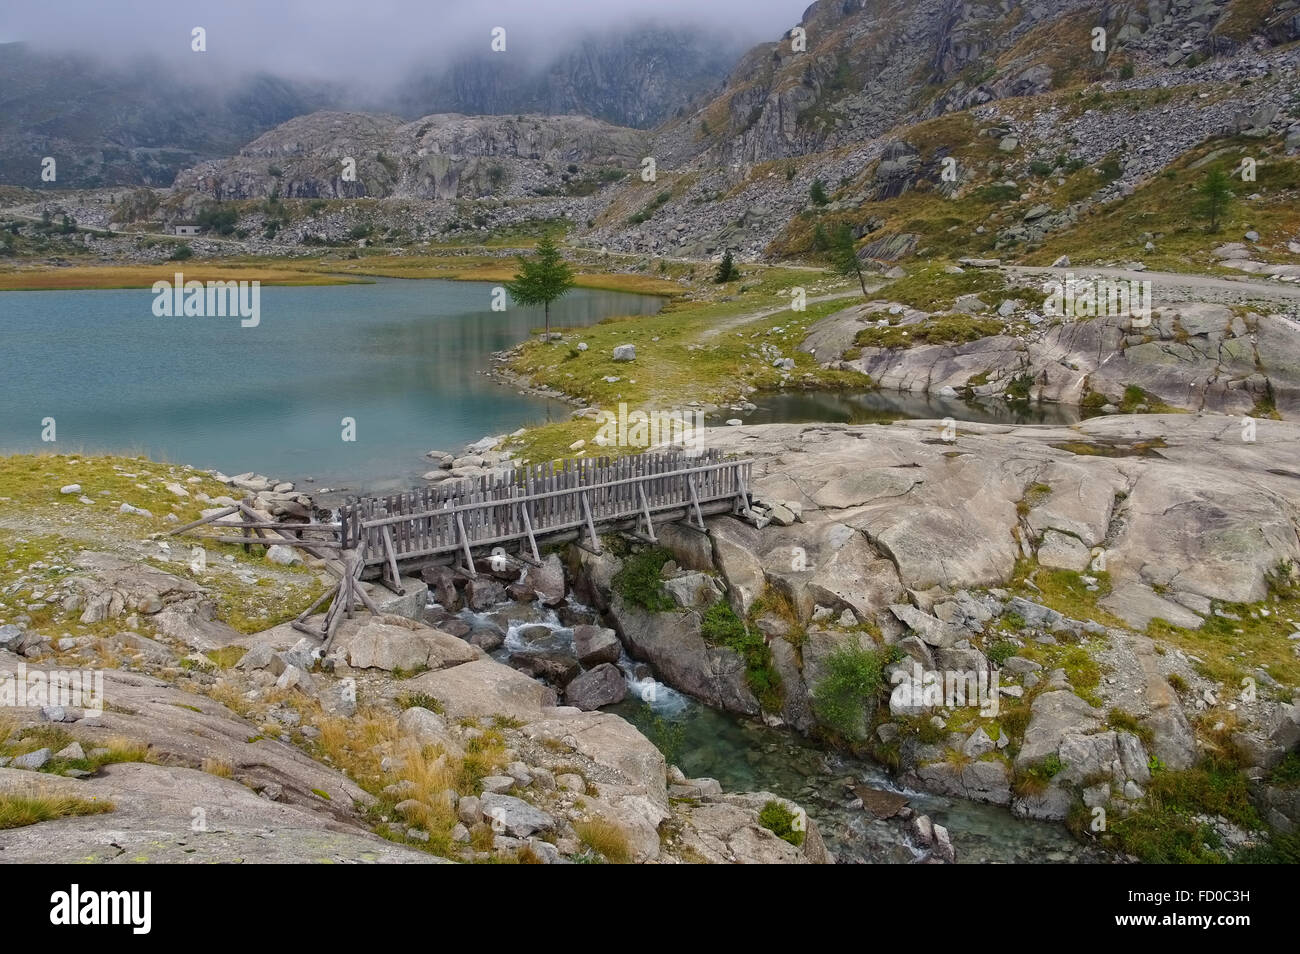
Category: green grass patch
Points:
column 1122, row 721
column 1001, row 651
column 1064, row 591
column 421, row 700
column 227, row 656
column 845, row 697
column 931, row 287
column 944, row 329
column 720, row 626
column 639, row 581
column 1034, row 779
column 1164, row 830
column 780, row 821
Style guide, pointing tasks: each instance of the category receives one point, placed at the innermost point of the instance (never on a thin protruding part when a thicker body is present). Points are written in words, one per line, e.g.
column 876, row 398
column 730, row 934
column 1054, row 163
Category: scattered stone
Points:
column 73, row 752
column 32, row 761
column 880, row 803
column 514, row 816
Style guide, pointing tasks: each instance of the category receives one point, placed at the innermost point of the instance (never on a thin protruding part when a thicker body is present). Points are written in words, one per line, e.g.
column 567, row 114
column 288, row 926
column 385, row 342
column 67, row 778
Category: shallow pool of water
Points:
column 871, row 407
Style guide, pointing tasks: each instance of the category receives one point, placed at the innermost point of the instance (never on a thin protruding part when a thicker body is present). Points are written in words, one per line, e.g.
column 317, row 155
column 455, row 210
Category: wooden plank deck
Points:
column 525, row 504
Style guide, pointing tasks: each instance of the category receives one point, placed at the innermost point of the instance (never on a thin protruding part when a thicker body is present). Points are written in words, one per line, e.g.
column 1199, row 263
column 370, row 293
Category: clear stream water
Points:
column 401, row 357
column 747, row 756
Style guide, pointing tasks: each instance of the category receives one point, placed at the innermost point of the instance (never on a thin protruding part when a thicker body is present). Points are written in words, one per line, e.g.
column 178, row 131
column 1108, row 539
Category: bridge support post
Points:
column 591, row 526
column 698, row 523
column 463, row 537
column 536, row 559
column 390, row 577
column 645, row 511
column 742, row 498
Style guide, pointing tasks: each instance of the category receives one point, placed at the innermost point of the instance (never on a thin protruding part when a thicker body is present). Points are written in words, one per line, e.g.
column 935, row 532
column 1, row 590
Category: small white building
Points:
column 188, row 229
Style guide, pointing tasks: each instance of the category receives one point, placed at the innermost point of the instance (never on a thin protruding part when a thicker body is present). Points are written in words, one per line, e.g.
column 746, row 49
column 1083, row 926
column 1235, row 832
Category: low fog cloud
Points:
column 376, row 39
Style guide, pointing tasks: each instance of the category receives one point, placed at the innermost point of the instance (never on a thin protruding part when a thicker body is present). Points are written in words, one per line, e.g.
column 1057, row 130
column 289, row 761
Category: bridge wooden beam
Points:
column 392, row 578
column 591, row 526
column 695, row 504
column 532, row 540
column 463, row 539
column 645, row 509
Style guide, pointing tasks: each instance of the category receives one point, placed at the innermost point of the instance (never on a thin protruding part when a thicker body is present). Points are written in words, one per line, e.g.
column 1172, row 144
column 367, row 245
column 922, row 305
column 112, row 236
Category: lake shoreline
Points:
column 279, row 272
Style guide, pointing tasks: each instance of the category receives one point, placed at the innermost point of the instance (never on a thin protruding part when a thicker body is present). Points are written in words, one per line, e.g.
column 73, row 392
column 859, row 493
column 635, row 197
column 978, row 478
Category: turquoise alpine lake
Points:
column 403, row 359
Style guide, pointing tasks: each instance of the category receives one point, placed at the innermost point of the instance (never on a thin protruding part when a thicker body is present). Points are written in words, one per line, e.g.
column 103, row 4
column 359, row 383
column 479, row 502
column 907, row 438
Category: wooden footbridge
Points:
column 522, row 507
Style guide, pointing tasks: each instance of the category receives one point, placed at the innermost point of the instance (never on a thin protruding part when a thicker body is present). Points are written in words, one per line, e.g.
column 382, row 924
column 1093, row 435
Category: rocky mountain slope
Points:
column 928, row 120
column 446, row 156
column 870, row 63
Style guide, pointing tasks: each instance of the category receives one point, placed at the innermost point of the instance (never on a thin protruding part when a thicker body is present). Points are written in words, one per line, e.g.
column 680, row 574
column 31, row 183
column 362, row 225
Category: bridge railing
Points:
column 531, row 501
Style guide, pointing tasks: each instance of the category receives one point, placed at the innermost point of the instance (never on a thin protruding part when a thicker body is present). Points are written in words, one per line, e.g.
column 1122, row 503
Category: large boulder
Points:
column 602, row 686
column 691, row 549
column 693, row 590
column 796, row 706
column 547, row 580
column 596, row 644
column 671, row 642
column 557, row 668
column 154, row 815
column 611, row 742
column 986, row 781
column 1054, row 716
column 514, row 817
column 725, row 829
column 735, row 549
column 395, row 643
column 429, row 728
column 481, row 689
column 410, row 603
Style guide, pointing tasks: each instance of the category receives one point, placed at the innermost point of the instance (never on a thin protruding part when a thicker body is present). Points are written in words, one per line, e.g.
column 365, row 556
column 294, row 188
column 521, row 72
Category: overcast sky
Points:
column 335, row 38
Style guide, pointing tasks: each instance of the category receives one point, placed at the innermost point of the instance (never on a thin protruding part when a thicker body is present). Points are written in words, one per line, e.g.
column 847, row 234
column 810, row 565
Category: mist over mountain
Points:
column 118, row 122
column 136, row 123
column 636, row 77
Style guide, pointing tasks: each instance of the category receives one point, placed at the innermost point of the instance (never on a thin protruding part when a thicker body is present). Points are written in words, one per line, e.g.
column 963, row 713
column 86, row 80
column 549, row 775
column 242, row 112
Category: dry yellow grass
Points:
column 18, row 809
column 142, row 276
column 359, row 746
column 218, row 767
column 605, row 839
column 278, row 272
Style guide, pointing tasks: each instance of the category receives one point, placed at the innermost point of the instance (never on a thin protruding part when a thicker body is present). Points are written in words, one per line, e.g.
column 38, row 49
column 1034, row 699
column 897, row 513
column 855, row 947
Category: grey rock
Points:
column 11, row 637
column 602, row 686
column 513, row 816
column 32, row 761
column 596, row 644
column 693, row 590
